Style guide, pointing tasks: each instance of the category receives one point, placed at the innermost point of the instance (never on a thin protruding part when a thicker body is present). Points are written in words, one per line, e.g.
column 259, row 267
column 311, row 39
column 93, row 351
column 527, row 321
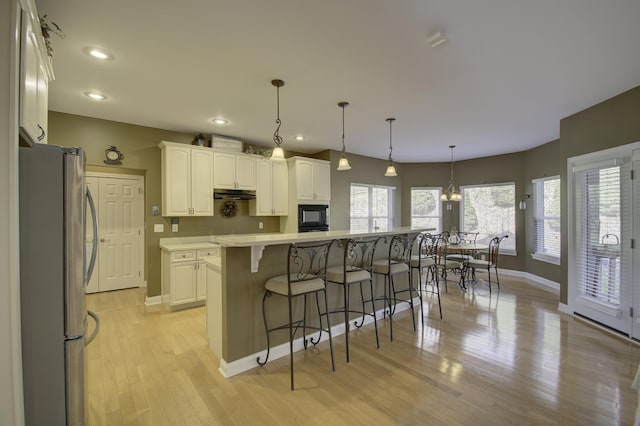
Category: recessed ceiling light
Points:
column 436, row 39
column 95, row 96
column 97, row 53
column 299, row 138
column 220, row 121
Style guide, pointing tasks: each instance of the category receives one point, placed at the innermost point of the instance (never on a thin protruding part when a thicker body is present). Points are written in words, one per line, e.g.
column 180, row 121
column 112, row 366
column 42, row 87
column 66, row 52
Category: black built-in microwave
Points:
column 312, row 217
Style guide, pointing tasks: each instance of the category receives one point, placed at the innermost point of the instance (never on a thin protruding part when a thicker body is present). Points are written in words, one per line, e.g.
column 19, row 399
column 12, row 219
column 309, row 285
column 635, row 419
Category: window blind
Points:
column 598, row 232
column 547, row 217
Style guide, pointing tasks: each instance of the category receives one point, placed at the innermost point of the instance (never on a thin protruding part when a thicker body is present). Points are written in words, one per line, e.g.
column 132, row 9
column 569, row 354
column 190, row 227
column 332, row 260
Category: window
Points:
column 426, row 208
column 546, row 221
column 490, row 210
column 371, row 207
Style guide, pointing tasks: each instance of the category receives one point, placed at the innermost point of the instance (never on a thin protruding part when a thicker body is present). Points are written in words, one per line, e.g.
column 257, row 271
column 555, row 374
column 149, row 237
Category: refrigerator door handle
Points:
column 89, row 339
column 94, row 218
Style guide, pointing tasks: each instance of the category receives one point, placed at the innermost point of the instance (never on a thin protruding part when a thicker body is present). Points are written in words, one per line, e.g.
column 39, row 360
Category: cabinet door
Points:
column 304, row 180
column 201, row 182
column 280, row 188
column 201, row 281
column 322, row 180
column 183, row 282
column 264, row 190
column 29, row 80
column 224, row 170
column 245, row 172
column 43, row 104
column 176, row 181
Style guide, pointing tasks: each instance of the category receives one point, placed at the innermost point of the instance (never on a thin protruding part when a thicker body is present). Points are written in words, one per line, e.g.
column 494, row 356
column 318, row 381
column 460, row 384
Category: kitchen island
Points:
column 235, row 287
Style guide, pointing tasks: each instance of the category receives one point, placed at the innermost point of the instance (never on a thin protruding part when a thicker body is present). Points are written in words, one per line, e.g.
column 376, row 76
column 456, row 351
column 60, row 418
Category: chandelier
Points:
column 451, row 193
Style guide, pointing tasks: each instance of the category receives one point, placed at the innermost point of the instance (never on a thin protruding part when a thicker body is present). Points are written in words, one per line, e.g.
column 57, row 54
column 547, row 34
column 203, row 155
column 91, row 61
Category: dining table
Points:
column 470, row 249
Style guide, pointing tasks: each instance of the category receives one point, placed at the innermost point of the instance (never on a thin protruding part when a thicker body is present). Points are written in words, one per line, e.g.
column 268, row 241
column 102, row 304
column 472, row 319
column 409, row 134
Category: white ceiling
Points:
column 510, row 70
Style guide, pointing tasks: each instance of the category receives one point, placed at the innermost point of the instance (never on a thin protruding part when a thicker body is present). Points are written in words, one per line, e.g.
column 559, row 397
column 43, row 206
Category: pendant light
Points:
column 343, row 164
column 278, row 153
column 451, row 193
column 391, row 169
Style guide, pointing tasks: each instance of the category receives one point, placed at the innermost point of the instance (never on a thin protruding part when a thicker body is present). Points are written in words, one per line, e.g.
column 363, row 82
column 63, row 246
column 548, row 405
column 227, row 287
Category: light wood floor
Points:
column 511, row 358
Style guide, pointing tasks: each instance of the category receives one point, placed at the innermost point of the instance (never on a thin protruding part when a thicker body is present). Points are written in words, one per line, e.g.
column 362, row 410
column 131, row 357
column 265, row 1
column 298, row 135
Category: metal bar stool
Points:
column 356, row 268
column 397, row 263
column 306, row 274
column 425, row 259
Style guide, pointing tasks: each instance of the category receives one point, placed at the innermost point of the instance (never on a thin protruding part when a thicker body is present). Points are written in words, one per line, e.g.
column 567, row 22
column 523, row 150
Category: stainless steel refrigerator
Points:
column 54, row 269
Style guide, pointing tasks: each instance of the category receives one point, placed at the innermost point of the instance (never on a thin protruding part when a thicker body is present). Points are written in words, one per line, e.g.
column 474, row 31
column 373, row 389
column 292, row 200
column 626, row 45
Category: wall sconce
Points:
column 523, row 201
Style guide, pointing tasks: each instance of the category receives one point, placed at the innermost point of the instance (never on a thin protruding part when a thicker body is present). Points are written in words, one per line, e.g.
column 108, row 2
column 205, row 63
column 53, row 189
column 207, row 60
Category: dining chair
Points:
column 397, row 263
column 306, row 275
column 444, row 266
column 356, row 268
column 490, row 261
column 425, row 260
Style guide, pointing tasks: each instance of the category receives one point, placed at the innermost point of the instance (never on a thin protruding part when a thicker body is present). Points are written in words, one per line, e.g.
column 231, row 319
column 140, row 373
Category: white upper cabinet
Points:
column 187, row 180
column 272, row 193
column 313, row 179
column 234, row 171
column 35, row 74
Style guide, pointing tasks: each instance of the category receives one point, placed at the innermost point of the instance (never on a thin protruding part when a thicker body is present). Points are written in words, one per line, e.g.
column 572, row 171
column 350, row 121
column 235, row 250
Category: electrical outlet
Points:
column 174, row 227
column 158, row 227
column 260, row 225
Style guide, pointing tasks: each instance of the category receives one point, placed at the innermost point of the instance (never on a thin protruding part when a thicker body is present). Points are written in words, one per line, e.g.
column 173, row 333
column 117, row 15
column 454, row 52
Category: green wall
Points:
column 611, row 123
column 142, row 156
column 608, row 124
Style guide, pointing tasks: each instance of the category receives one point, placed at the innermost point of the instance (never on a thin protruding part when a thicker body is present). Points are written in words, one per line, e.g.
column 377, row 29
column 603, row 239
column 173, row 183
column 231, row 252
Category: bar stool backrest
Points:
column 308, row 261
column 359, row 254
column 402, row 246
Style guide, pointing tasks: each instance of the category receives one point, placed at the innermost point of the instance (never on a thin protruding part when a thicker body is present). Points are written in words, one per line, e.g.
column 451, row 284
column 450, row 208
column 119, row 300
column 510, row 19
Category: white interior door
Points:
column 120, row 207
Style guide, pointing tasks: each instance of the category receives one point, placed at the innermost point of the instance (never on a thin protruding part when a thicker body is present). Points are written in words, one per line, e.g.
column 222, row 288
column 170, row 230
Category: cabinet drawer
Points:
column 179, row 256
column 208, row 252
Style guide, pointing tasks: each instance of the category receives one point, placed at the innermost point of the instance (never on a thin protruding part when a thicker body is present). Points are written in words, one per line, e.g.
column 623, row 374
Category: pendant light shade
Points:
column 391, row 168
column 278, row 153
column 343, row 164
column 451, row 193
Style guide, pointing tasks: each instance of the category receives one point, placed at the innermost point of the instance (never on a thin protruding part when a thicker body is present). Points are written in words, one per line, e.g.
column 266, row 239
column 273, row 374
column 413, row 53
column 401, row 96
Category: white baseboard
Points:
column 530, row 277
column 564, row 308
column 153, row 300
column 229, row 369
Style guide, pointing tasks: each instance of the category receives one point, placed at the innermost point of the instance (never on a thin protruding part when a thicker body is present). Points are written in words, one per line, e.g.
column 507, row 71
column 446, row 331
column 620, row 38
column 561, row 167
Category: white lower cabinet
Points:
column 185, row 276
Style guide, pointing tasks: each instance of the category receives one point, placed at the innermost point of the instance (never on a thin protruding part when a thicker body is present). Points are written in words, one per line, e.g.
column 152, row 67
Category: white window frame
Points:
column 505, row 251
column 538, row 213
column 371, row 218
column 438, row 190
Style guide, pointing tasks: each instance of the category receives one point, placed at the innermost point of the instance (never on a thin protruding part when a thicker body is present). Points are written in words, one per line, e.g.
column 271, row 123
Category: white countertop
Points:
column 187, row 243
column 252, row 240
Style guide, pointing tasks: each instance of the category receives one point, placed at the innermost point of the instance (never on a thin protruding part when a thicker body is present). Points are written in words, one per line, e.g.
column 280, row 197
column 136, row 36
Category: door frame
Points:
column 624, row 151
column 141, row 254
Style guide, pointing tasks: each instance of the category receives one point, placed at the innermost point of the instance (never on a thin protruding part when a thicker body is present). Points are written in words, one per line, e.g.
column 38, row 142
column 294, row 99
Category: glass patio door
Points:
column 600, row 255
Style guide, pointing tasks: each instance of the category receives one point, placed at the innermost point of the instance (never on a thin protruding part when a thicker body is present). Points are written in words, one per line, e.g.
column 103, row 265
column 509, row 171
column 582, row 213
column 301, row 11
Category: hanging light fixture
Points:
column 451, row 193
column 278, row 153
column 391, row 169
column 343, row 164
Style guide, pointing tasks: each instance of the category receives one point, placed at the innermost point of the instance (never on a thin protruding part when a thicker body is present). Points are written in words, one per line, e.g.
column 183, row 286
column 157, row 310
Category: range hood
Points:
column 233, row 194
